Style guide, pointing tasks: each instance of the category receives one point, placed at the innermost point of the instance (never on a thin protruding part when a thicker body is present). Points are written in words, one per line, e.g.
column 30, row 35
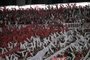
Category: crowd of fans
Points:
column 48, row 15
column 31, row 33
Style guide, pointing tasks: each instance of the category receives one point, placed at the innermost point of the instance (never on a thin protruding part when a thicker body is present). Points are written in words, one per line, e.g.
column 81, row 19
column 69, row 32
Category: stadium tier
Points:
column 45, row 32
